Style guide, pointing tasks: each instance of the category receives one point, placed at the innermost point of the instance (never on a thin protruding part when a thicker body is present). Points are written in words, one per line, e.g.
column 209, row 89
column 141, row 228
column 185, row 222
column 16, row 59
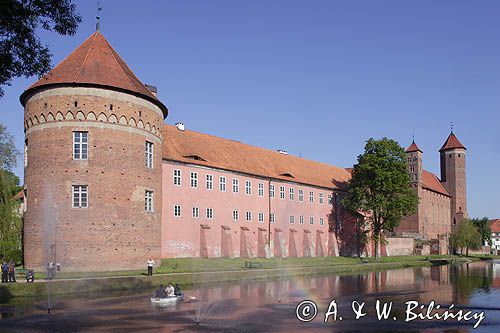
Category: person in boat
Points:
column 177, row 290
column 160, row 292
column 170, row 291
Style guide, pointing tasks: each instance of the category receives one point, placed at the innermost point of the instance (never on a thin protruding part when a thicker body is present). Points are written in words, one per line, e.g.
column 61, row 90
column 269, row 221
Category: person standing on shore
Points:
column 151, row 264
column 5, row 272
column 12, row 272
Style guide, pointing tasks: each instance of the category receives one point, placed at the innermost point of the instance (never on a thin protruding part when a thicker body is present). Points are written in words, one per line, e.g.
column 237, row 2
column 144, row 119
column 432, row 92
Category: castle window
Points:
column 271, row 191
column 311, row 196
column 321, row 221
column 222, row 184
column 301, row 195
column 282, row 192
column 25, row 153
column 196, row 212
column 111, row 107
column 249, row 216
column 292, row 193
column 301, row 219
column 271, row 217
column 76, row 104
column 149, row 154
column 210, row 182
column 235, row 215
column 80, row 145
column 261, row 189
column 177, row 211
column 148, row 201
column 330, row 199
column 210, row 213
column 80, row 196
column 177, row 177
column 194, row 179
column 311, row 220
column 320, row 198
column 261, row 217
column 248, row 187
column 292, row 219
column 236, row 185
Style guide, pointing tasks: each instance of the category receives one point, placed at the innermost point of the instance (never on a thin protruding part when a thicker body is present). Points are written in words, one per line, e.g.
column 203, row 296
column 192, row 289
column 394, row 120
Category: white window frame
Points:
column 272, row 218
column 271, row 191
column 301, row 219
column 320, row 198
column 311, row 220
column 248, row 187
column 236, row 215
column 301, row 195
column 282, row 192
column 80, row 145
column 321, row 221
column 210, row 182
column 292, row 193
column 149, row 201
column 149, row 151
column 261, row 189
column 210, row 213
column 261, row 217
column 177, row 211
column 248, row 216
column 195, row 212
column 292, row 219
column 222, row 184
column 311, row 197
column 236, row 185
column 177, row 177
column 194, row 179
column 79, row 192
column 330, row 199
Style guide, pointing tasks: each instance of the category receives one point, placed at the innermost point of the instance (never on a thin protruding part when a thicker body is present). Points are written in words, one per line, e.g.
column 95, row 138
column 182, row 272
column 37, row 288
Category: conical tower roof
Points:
column 95, row 64
column 413, row 147
column 452, row 143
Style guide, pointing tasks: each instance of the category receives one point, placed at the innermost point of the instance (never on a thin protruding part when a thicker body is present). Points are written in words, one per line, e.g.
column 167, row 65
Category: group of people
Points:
column 169, row 291
column 9, row 273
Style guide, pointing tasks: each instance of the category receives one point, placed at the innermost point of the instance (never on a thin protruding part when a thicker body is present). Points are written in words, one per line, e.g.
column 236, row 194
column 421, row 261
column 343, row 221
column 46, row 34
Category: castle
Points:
column 108, row 185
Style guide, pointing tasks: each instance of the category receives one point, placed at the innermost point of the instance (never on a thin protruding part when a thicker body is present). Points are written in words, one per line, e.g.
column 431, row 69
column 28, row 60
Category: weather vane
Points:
column 451, row 126
column 98, row 17
column 413, row 134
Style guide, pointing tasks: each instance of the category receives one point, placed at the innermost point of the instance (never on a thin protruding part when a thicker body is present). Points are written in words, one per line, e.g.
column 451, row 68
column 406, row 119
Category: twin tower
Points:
column 92, row 164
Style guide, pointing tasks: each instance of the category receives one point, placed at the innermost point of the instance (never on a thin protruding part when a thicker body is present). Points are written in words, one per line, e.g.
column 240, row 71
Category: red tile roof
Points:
column 495, row 225
column 413, row 147
column 231, row 155
column 452, row 143
column 431, row 182
column 96, row 63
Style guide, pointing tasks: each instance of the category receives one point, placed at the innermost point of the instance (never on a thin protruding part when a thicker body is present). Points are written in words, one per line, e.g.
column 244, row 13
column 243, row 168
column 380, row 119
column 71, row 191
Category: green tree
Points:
column 21, row 51
column 10, row 221
column 466, row 236
column 483, row 226
column 380, row 186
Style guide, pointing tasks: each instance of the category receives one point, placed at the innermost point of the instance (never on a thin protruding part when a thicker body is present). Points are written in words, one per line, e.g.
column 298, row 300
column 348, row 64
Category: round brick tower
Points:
column 92, row 164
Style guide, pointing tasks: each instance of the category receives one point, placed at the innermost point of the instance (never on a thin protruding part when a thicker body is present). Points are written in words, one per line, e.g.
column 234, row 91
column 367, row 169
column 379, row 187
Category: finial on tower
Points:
column 451, row 126
column 413, row 135
column 98, row 17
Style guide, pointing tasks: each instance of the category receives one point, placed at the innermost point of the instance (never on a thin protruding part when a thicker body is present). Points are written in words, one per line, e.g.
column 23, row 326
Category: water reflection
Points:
column 269, row 306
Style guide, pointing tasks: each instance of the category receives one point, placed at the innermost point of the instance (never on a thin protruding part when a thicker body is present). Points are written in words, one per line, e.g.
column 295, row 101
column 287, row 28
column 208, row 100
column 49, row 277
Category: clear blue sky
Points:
column 317, row 78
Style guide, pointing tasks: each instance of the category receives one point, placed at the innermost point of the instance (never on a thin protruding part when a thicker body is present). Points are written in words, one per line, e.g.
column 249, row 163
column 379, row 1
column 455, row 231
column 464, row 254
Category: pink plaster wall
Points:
column 186, row 236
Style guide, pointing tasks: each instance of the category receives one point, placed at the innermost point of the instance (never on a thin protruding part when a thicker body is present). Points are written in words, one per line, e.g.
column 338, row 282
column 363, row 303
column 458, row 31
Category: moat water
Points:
column 271, row 306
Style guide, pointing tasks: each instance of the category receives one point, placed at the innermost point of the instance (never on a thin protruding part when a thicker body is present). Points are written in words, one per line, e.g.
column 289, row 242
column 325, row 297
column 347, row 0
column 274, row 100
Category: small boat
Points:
column 166, row 300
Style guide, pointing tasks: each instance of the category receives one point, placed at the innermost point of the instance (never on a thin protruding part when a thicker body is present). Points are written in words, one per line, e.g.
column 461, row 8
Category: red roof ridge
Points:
column 431, row 182
column 86, row 56
column 413, row 147
column 452, row 142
